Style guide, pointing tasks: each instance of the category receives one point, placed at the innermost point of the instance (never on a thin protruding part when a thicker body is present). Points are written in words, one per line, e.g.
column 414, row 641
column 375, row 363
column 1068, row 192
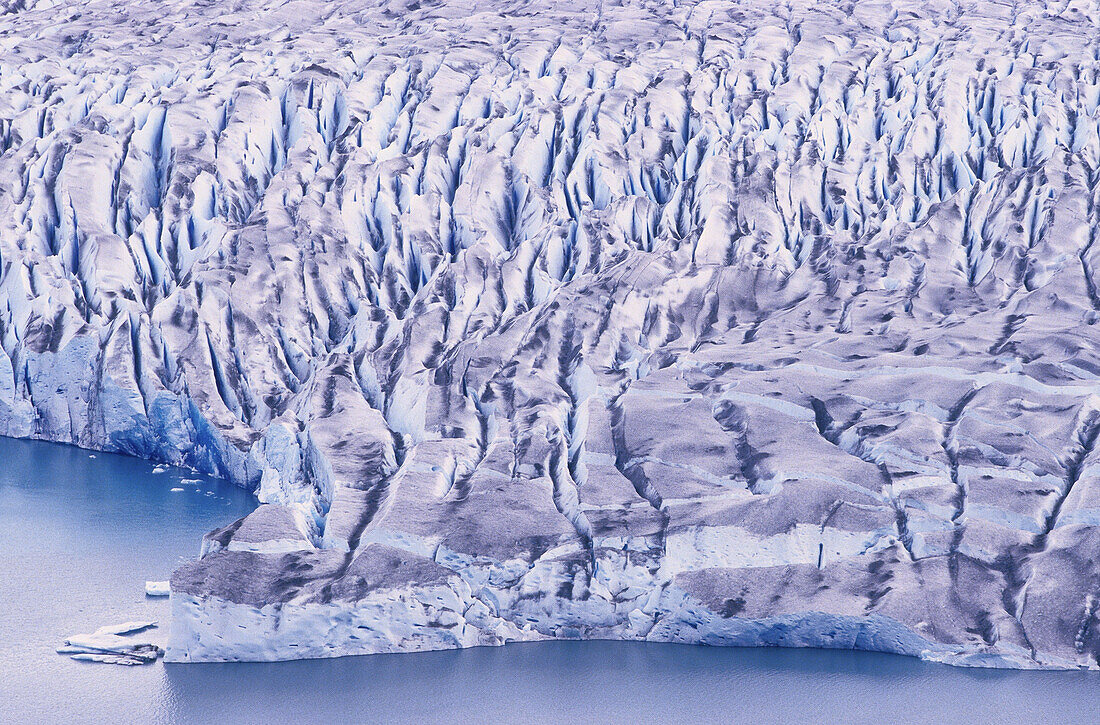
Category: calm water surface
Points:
column 80, row 535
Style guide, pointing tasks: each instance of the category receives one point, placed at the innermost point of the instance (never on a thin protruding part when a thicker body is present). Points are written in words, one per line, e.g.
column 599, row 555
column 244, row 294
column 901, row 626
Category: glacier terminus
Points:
column 733, row 323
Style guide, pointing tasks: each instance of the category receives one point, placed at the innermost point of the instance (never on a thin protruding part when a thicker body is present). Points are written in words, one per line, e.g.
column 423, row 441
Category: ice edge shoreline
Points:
column 188, row 609
column 203, row 627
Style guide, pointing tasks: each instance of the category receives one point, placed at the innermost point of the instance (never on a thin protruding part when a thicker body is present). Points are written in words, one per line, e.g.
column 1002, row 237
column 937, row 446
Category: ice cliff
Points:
column 721, row 322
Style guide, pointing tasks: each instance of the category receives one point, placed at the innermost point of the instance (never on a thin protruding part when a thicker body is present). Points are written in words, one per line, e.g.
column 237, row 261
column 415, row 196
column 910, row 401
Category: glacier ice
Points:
column 758, row 323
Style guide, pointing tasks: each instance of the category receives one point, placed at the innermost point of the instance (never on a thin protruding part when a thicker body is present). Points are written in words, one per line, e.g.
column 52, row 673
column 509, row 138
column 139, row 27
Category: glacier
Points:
column 755, row 323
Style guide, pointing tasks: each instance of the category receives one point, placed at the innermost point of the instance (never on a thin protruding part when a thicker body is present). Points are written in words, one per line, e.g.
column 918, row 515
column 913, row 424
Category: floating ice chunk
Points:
column 99, row 642
column 177, row 489
column 113, row 659
column 142, row 651
column 156, row 589
column 110, row 644
column 160, row 469
column 126, row 628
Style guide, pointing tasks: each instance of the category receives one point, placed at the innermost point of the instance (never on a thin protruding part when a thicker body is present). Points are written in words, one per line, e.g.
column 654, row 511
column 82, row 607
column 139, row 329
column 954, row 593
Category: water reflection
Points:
column 630, row 682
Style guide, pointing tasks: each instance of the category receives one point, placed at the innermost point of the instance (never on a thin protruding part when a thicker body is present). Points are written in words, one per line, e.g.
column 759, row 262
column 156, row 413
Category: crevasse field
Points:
column 738, row 323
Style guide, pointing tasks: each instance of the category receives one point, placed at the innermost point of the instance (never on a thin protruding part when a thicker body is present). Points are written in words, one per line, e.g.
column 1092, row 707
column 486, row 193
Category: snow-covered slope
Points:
column 723, row 322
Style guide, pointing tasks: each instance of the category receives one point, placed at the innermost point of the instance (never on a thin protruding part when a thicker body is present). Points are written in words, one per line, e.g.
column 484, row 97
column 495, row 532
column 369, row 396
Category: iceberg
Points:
column 113, row 645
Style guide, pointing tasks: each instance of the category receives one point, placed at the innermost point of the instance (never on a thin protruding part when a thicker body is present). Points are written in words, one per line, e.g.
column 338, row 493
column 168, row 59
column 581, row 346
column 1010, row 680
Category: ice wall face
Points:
column 733, row 323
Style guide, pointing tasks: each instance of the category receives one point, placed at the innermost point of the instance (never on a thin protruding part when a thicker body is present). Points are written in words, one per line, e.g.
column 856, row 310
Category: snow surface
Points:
column 742, row 323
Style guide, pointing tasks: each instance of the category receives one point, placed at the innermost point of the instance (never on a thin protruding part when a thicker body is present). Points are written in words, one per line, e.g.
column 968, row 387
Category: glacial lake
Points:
column 81, row 534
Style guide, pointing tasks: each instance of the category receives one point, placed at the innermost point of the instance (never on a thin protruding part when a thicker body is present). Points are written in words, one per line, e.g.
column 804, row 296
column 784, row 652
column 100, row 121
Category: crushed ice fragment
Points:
column 111, row 644
column 111, row 659
column 126, row 628
column 156, row 589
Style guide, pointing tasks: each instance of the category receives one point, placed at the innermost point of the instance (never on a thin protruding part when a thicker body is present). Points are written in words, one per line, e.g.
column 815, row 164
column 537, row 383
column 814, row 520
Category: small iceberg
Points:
column 113, row 659
column 156, row 589
column 111, row 645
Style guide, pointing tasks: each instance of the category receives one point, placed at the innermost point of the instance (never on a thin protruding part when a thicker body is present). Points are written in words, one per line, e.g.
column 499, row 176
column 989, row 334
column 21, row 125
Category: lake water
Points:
column 81, row 534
